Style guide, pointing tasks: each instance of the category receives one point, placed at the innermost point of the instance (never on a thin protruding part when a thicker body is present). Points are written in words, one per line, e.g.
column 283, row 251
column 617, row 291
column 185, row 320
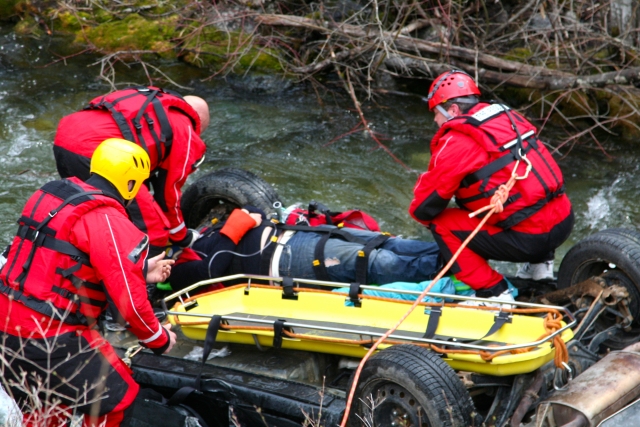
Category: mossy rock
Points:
column 215, row 48
column 29, row 27
column 133, row 33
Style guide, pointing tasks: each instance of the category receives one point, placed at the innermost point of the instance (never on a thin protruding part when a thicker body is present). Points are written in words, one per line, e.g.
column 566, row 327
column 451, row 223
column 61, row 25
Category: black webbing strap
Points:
column 268, row 250
column 154, row 135
column 166, row 131
column 209, row 340
column 182, row 393
column 501, row 318
column 336, row 232
column 43, row 307
column 118, row 117
column 354, row 294
column 136, row 120
column 495, row 166
column 362, row 261
column 39, row 237
column 49, row 242
column 278, row 327
column 319, row 268
column 432, row 324
column 525, row 213
column 287, row 288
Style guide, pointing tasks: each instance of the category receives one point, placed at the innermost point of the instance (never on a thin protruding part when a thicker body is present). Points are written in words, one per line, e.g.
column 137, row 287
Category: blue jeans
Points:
column 397, row 260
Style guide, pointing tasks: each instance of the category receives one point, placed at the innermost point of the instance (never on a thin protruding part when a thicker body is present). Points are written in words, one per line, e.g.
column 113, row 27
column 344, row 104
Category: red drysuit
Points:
column 74, row 248
column 471, row 156
column 162, row 123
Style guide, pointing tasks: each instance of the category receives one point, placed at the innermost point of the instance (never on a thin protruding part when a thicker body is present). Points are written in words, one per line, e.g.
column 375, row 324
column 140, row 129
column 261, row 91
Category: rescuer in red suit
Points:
column 168, row 126
column 474, row 151
column 75, row 249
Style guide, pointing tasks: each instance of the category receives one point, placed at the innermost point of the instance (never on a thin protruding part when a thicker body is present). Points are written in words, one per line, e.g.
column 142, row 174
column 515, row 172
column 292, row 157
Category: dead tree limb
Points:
column 515, row 73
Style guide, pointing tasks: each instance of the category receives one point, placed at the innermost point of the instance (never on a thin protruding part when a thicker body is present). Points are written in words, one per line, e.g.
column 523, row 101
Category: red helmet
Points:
column 449, row 85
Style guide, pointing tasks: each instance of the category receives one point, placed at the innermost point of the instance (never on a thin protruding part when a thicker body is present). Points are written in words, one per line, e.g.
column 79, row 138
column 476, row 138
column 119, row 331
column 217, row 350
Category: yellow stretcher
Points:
column 322, row 321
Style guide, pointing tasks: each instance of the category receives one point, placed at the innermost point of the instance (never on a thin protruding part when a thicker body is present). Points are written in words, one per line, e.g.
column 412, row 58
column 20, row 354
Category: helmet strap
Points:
column 444, row 112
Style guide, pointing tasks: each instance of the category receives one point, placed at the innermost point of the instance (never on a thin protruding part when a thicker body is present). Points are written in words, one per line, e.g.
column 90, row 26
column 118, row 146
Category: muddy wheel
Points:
column 216, row 194
column 614, row 255
column 407, row 385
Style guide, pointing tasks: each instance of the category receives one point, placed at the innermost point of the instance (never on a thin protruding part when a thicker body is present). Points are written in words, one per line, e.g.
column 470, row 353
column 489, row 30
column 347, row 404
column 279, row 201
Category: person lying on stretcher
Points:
column 249, row 244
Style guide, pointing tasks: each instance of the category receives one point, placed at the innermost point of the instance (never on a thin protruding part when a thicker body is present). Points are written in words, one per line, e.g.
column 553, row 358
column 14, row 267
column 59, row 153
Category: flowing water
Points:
column 285, row 136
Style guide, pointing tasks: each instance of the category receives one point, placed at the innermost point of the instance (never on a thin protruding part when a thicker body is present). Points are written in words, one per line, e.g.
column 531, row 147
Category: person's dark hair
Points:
column 464, row 102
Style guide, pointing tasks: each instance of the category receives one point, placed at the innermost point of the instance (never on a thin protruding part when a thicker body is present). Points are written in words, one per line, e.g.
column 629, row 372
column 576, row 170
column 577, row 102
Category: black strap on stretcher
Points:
column 210, row 338
column 287, row 289
column 354, row 294
column 436, row 312
column 181, row 395
column 278, row 328
column 432, row 324
column 318, row 266
column 501, row 318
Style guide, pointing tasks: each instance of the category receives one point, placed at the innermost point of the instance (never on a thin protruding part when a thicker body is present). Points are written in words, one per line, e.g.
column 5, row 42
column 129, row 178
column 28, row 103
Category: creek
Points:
column 284, row 134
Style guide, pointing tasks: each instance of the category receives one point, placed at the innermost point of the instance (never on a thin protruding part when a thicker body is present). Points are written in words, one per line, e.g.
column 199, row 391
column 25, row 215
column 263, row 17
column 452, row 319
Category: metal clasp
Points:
column 130, row 353
column 527, row 170
column 558, row 376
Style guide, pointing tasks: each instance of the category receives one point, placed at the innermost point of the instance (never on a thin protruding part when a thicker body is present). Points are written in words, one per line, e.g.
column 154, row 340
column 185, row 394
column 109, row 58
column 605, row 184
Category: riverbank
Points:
column 574, row 65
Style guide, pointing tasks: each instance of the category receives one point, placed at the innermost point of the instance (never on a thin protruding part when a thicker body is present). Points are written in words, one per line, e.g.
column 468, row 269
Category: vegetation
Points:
column 574, row 63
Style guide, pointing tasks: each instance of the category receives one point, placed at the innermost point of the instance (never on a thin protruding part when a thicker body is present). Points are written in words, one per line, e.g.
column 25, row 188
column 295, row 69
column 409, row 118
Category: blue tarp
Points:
column 446, row 285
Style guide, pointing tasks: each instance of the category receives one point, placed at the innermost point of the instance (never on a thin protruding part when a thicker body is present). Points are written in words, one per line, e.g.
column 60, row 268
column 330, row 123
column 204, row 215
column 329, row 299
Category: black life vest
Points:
column 141, row 114
column 44, row 271
column 506, row 135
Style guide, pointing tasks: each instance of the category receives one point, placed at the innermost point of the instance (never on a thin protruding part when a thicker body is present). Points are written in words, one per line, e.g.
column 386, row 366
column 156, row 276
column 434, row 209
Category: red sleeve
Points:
column 453, row 157
column 117, row 251
column 186, row 151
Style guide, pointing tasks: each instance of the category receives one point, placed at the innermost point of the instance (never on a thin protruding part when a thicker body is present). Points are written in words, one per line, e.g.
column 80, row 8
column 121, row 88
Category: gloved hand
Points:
column 189, row 239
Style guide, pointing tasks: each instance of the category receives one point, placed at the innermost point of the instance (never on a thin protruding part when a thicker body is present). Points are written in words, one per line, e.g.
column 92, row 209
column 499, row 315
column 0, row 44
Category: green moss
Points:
column 519, row 54
column 132, row 33
column 8, row 9
column 28, row 27
column 72, row 22
column 213, row 48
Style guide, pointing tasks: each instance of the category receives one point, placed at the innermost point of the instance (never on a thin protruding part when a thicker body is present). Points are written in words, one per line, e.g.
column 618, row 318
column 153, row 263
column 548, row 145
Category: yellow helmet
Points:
column 120, row 162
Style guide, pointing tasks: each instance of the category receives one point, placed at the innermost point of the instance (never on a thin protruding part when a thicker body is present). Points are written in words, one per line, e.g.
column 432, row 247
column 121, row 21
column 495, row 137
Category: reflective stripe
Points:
column 515, row 141
column 178, row 228
column 176, row 192
column 124, row 277
column 489, row 112
column 154, row 337
column 275, row 260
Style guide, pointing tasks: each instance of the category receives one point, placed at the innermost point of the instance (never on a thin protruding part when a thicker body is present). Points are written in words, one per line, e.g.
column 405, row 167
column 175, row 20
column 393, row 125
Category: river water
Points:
column 285, row 136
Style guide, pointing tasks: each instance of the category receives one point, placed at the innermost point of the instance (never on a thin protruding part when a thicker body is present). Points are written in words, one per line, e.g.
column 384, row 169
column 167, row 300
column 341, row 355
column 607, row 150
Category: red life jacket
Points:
column 318, row 214
column 43, row 269
column 493, row 127
column 141, row 114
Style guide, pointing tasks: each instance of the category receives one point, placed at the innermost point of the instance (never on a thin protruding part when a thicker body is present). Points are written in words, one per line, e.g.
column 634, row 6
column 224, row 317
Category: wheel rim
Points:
column 606, row 320
column 613, row 276
column 395, row 406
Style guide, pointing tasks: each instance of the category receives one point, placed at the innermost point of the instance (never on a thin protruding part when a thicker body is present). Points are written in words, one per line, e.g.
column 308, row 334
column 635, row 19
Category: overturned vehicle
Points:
column 287, row 351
